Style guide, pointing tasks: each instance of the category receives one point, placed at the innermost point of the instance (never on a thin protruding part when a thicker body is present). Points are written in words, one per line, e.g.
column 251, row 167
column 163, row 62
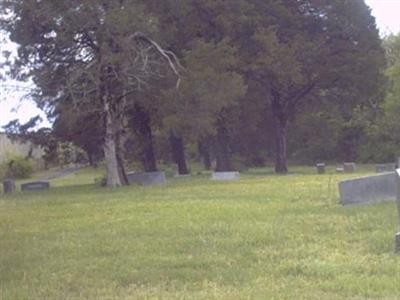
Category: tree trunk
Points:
column 224, row 163
column 142, row 127
column 280, row 126
column 178, row 153
column 204, row 151
column 121, row 167
column 110, row 149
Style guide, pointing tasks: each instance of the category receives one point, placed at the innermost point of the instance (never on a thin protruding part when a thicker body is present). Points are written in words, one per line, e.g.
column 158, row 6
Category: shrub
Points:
column 19, row 167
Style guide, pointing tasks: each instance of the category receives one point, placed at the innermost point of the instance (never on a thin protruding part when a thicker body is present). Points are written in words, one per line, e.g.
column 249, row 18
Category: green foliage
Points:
column 17, row 167
column 384, row 134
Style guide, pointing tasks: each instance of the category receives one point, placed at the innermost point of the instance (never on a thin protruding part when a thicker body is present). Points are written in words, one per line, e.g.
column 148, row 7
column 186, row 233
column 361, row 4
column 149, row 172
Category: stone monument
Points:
column 349, row 167
column 35, row 186
column 8, row 186
column 320, row 168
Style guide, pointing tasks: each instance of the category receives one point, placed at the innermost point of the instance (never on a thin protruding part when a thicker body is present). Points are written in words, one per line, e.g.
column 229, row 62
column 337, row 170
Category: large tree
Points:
column 85, row 51
column 312, row 49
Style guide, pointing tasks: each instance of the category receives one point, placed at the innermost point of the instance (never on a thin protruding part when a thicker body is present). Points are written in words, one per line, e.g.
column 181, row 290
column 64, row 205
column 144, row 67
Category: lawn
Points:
column 263, row 237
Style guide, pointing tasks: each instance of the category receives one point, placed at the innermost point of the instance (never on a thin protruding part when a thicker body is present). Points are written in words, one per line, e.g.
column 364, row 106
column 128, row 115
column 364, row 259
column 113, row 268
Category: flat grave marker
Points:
column 146, row 178
column 381, row 168
column 35, row 186
column 225, row 176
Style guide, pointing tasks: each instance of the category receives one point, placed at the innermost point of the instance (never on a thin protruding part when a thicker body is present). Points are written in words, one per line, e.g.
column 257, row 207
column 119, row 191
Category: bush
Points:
column 18, row 167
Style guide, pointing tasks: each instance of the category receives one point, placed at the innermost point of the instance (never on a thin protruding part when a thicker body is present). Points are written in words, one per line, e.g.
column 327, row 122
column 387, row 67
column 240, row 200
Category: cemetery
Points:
column 235, row 230
column 199, row 149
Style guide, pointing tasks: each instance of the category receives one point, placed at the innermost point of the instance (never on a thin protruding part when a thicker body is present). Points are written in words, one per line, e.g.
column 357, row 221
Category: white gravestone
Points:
column 225, row 176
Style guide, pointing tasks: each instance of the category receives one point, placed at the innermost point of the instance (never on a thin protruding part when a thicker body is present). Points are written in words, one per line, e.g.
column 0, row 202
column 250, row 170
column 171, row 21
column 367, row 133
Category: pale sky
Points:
column 12, row 106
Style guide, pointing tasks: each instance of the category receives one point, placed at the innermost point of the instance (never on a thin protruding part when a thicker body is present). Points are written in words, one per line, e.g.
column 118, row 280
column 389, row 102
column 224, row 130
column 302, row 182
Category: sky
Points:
column 14, row 106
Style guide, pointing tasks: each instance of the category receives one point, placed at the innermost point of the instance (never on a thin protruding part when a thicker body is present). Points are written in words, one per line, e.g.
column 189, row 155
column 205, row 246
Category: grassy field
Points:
column 263, row 237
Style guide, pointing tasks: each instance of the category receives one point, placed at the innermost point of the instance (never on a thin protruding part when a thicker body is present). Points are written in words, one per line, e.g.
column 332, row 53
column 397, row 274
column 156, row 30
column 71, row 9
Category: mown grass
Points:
column 263, row 237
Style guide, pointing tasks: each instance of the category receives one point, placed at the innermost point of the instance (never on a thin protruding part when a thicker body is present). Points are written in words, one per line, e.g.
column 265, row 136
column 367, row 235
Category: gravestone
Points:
column 339, row 170
column 35, row 186
column 225, row 176
column 367, row 190
column 397, row 238
column 146, row 178
column 320, row 168
column 8, row 186
column 380, row 168
column 349, row 167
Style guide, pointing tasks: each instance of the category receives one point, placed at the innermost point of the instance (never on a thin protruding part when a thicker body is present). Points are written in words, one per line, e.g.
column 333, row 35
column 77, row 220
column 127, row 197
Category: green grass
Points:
column 263, row 237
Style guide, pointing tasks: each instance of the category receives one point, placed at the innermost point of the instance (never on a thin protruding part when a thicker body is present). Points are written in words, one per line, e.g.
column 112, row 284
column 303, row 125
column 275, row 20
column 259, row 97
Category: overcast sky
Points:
column 386, row 12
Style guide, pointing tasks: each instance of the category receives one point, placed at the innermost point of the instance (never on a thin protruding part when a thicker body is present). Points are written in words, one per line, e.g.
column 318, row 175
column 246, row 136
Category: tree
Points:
column 98, row 51
column 312, row 47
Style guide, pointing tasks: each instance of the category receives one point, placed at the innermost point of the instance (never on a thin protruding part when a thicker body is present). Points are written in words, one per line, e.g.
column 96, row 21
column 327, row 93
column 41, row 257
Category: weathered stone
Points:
column 380, row 168
column 320, row 168
column 146, row 178
column 349, row 167
column 35, row 186
column 367, row 190
column 225, row 176
column 8, row 186
column 339, row 170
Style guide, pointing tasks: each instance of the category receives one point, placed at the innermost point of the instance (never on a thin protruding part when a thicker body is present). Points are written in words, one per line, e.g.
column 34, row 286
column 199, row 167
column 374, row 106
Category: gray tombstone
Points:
column 146, row 178
column 225, row 176
column 320, row 168
column 367, row 190
column 8, row 186
column 349, row 167
column 381, row 168
column 35, row 186
column 339, row 170
column 397, row 238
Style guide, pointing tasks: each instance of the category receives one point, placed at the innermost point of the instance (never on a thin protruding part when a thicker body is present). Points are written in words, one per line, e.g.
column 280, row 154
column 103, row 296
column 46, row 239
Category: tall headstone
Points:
column 397, row 238
column 349, row 167
column 320, row 168
column 8, row 186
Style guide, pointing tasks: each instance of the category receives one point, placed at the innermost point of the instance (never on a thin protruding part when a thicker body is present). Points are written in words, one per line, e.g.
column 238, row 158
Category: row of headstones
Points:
column 141, row 178
column 348, row 167
column 10, row 187
column 152, row 178
column 372, row 189
column 351, row 168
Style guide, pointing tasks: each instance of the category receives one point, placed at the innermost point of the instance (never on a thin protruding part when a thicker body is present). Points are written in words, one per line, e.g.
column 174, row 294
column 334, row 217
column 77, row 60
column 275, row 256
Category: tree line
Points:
column 230, row 80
